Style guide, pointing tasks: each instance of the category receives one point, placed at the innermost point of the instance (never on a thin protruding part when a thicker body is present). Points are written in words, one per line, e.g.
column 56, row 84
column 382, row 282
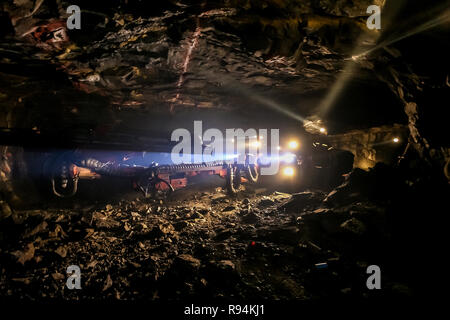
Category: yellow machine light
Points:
column 293, row 144
column 288, row 171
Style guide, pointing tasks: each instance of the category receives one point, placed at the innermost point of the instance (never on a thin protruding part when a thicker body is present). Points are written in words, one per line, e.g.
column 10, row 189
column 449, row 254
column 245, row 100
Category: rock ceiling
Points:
column 168, row 57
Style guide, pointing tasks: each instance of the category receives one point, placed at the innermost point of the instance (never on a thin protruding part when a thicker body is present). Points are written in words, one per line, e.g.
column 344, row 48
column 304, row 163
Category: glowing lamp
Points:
column 293, row 144
column 288, row 171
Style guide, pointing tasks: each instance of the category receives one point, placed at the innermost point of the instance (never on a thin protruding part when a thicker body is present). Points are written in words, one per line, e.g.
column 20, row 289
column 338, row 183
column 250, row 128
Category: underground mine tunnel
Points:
column 218, row 152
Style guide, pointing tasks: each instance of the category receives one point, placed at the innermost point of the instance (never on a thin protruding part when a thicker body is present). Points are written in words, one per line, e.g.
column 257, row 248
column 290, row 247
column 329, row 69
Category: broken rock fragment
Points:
column 102, row 221
column 302, row 200
column 108, row 283
column 25, row 255
column 186, row 263
column 354, row 226
column 250, row 217
column 162, row 230
column 265, row 203
column 61, row 251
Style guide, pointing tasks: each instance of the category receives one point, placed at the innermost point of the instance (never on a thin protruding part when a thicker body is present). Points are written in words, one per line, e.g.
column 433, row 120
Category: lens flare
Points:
column 288, row 171
column 293, row 144
column 288, row 158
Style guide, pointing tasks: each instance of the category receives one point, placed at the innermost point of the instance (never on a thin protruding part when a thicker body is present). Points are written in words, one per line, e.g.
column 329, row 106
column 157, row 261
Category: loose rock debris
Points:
column 270, row 246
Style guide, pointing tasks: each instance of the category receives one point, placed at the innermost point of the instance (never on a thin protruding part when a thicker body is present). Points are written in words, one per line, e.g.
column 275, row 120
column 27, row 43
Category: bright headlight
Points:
column 293, row 144
column 288, row 171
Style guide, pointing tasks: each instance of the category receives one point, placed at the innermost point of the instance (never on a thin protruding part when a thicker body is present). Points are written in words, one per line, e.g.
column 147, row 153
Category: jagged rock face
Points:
column 142, row 57
column 178, row 54
column 377, row 144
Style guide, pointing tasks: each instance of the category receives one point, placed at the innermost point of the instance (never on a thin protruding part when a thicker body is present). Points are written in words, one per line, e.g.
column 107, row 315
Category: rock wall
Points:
column 372, row 145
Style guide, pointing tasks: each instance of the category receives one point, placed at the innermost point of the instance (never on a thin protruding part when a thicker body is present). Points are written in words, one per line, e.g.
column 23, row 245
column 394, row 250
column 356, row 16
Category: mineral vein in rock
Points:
column 187, row 59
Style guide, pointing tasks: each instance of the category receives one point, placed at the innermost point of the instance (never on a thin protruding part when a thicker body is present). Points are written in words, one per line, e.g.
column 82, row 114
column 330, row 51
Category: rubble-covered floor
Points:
column 202, row 244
